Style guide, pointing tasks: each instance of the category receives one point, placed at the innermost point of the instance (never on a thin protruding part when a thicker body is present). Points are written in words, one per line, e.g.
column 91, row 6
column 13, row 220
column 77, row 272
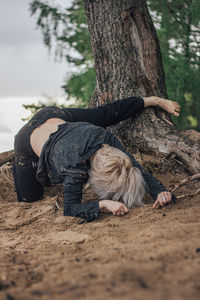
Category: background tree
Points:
column 178, row 28
column 128, row 61
column 178, row 24
column 66, row 31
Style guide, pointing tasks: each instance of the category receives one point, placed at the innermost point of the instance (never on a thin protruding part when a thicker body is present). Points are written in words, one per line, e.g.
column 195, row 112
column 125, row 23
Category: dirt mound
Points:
column 146, row 254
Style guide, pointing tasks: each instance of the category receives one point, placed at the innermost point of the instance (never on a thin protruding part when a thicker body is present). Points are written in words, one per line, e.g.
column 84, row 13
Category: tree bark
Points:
column 128, row 62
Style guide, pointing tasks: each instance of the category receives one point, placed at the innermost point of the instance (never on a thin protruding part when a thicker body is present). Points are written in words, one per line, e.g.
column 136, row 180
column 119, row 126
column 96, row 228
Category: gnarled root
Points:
column 7, row 156
column 184, row 181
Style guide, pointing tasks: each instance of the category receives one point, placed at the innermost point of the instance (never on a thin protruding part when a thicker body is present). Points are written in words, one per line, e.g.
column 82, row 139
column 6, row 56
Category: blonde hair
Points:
column 113, row 177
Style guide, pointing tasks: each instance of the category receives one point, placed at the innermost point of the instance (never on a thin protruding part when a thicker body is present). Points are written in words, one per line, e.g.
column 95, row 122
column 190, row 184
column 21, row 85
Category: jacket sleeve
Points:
column 108, row 114
column 73, row 183
column 154, row 186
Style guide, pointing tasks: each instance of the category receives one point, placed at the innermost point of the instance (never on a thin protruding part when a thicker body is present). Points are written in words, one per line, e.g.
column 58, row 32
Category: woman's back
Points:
column 41, row 134
column 23, row 146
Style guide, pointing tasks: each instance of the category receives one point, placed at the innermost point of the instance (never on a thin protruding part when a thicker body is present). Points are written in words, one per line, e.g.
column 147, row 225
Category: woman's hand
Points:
column 115, row 207
column 171, row 107
column 163, row 199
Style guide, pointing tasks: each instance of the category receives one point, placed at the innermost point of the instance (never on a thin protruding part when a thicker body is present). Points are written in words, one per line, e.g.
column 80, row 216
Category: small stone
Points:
column 92, row 275
column 142, row 283
column 60, row 220
column 198, row 250
column 9, row 297
column 36, row 293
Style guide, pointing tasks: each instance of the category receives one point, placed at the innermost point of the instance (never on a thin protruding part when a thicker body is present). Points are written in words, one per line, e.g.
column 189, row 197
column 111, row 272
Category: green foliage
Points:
column 68, row 31
column 178, row 28
column 81, row 86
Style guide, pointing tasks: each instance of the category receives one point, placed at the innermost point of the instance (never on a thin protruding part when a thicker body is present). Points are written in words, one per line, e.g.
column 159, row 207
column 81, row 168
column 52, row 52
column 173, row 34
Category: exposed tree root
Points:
column 188, row 195
column 184, row 181
column 6, row 173
column 7, row 156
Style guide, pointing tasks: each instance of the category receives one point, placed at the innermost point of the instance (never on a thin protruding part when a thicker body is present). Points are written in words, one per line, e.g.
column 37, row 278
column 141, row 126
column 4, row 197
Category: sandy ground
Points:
column 147, row 254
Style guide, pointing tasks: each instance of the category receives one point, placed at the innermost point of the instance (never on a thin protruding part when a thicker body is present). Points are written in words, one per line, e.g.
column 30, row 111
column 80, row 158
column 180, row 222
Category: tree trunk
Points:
column 128, row 62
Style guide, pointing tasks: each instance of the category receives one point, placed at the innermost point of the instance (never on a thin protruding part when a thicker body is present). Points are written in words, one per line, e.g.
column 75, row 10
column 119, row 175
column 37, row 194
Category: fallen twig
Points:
column 188, row 195
column 184, row 181
column 57, row 204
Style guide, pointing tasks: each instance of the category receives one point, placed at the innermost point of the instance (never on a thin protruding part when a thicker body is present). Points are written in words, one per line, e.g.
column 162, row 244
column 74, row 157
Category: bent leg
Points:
column 27, row 187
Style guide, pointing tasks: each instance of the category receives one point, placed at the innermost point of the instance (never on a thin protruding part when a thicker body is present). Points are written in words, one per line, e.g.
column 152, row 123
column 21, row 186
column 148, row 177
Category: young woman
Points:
column 64, row 145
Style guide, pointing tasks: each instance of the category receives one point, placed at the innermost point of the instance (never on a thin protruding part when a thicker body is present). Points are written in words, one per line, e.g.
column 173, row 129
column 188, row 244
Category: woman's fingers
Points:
column 168, row 196
column 162, row 199
column 121, row 210
column 125, row 208
column 117, row 208
column 156, row 203
column 170, row 106
column 177, row 109
column 176, row 114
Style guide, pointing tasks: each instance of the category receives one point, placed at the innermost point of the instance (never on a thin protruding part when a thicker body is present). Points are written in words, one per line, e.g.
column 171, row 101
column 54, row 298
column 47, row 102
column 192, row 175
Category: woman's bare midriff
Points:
column 41, row 134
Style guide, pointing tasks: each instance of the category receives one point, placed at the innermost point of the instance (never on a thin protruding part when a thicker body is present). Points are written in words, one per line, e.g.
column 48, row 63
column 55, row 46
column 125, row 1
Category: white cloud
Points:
column 4, row 129
column 26, row 69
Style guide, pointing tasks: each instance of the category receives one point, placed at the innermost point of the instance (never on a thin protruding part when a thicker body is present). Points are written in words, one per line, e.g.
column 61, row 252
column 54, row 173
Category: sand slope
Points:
column 147, row 254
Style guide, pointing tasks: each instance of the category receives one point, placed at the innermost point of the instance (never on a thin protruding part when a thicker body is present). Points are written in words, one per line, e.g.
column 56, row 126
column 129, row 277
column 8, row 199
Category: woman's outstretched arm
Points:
column 112, row 113
column 74, row 180
column 108, row 114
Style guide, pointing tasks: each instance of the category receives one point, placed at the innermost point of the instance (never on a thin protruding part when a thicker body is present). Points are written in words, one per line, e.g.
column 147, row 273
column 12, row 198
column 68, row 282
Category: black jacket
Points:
column 64, row 159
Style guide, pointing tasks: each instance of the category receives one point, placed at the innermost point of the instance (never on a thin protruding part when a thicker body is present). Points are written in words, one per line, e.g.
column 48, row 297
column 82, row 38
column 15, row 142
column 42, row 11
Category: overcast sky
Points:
column 27, row 71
